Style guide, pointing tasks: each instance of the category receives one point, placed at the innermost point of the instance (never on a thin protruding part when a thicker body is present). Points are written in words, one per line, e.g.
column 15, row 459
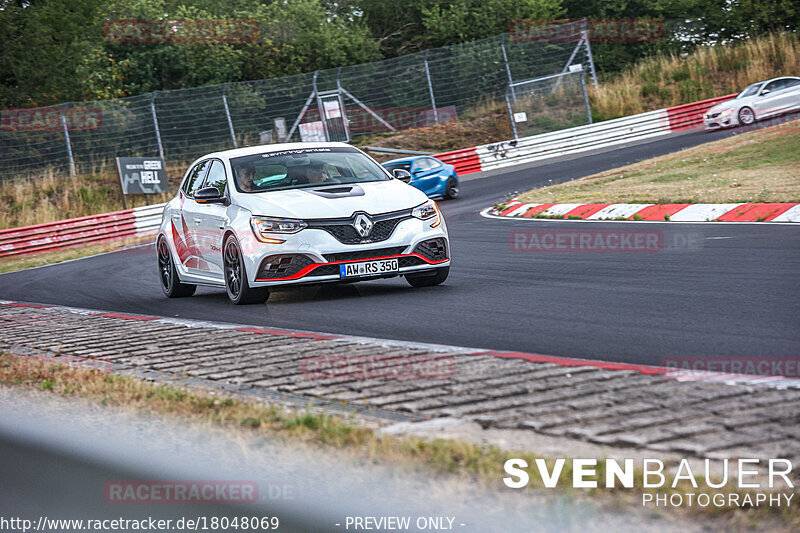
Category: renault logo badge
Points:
column 363, row 225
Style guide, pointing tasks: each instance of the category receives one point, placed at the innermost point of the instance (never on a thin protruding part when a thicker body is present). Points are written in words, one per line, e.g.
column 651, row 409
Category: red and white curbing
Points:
column 677, row 373
column 741, row 212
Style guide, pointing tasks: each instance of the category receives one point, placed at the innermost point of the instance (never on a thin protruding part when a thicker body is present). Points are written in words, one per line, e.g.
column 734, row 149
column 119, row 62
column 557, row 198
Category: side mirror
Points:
column 765, row 92
column 208, row 195
column 402, row 175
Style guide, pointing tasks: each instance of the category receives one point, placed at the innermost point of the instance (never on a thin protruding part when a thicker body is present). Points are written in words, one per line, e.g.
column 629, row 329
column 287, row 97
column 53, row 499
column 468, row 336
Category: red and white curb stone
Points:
column 740, row 212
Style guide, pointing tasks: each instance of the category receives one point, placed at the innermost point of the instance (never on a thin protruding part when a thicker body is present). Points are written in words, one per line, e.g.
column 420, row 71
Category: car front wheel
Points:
column 239, row 290
column 746, row 116
column 428, row 279
column 170, row 283
column 451, row 190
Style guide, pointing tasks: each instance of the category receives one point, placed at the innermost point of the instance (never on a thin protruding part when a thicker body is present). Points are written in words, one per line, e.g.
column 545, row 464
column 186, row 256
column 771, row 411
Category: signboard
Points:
column 521, row 117
column 312, row 132
column 332, row 109
column 142, row 175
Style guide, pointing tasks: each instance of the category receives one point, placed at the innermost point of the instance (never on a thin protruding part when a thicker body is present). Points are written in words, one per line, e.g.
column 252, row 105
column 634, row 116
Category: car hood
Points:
column 307, row 203
column 730, row 104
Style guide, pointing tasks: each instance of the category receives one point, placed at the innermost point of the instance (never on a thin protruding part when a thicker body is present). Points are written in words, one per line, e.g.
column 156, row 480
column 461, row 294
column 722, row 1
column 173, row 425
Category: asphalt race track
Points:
column 714, row 290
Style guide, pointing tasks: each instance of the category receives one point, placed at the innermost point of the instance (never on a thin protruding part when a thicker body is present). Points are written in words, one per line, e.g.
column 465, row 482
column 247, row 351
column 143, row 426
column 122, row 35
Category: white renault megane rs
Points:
column 254, row 218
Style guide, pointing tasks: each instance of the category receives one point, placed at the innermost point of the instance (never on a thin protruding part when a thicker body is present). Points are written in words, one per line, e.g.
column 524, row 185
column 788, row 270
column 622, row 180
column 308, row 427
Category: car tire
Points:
column 451, row 189
column 239, row 290
column 428, row 279
column 168, row 274
column 746, row 116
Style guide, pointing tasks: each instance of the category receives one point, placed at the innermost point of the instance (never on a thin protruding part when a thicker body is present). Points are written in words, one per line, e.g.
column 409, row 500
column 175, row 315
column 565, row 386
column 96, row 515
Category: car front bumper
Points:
column 314, row 255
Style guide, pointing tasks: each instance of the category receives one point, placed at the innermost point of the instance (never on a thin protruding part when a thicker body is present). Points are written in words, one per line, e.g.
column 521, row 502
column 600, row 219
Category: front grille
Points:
column 325, row 270
column 282, row 266
column 344, row 232
column 410, row 261
column 364, row 254
column 432, row 249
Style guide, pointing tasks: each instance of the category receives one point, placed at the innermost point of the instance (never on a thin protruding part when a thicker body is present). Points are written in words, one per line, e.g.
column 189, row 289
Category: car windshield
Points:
column 304, row 167
column 750, row 90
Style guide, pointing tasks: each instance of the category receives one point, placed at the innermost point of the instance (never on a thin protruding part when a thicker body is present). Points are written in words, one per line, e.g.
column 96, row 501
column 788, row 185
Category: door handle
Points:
column 197, row 220
column 176, row 216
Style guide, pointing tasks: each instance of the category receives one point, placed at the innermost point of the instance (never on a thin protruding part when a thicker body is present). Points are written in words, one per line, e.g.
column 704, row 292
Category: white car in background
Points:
column 760, row 100
column 254, row 218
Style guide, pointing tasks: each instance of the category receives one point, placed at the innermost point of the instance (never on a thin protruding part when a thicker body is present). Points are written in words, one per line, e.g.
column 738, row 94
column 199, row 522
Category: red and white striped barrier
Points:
column 48, row 237
column 580, row 139
column 744, row 212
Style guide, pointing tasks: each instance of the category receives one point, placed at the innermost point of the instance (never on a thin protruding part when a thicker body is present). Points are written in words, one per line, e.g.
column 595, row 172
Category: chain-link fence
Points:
column 421, row 89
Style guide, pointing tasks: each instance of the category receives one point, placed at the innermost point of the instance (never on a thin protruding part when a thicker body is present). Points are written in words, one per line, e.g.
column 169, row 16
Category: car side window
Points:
column 791, row 83
column 773, row 86
column 421, row 165
column 433, row 163
column 195, row 178
column 216, row 177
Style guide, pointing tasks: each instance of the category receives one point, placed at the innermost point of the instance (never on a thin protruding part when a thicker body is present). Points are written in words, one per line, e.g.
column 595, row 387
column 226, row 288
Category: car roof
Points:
column 400, row 160
column 778, row 78
column 267, row 148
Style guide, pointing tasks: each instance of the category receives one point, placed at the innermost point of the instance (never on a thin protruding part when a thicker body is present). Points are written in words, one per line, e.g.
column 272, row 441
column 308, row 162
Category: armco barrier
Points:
column 145, row 220
column 135, row 222
column 687, row 116
column 581, row 139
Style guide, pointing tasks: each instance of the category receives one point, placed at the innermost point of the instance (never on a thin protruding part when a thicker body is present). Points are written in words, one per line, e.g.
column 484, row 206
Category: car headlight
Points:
column 266, row 225
column 428, row 211
column 424, row 211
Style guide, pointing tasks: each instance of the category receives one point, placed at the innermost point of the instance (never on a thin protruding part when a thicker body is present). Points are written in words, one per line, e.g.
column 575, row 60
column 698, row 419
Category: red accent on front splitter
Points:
column 585, row 211
column 658, row 211
column 755, row 212
column 569, row 361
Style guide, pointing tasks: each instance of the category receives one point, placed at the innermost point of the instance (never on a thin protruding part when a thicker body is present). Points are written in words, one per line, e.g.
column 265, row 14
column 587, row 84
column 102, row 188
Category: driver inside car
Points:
column 246, row 178
column 316, row 174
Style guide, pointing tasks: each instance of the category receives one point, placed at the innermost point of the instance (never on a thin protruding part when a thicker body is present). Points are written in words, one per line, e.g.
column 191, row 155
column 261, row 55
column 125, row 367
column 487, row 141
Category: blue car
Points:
column 428, row 174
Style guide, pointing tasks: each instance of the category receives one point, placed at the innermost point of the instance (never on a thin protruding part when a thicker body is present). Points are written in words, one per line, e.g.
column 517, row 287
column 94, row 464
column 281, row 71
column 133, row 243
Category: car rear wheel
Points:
column 428, row 279
column 451, row 190
column 239, row 290
column 746, row 116
column 170, row 283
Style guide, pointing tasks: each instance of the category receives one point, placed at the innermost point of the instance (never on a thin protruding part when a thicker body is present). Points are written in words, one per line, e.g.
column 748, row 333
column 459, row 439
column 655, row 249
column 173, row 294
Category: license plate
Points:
column 369, row 268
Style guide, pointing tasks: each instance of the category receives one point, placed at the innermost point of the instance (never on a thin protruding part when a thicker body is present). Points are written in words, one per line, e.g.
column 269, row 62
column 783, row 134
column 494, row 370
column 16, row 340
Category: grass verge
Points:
column 14, row 263
column 757, row 166
column 479, row 463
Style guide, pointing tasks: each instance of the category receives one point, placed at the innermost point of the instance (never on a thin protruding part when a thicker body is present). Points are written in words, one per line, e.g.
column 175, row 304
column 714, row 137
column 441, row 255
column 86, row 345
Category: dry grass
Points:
column 476, row 463
column 758, row 166
column 708, row 72
column 485, row 123
column 49, row 196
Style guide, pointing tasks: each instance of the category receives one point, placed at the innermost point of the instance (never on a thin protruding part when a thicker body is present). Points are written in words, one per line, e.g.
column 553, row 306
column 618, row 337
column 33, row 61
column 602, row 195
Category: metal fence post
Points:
column 155, row 123
column 585, row 35
column 511, row 116
column 430, row 89
column 508, row 69
column 228, row 114
column 586, row 99
column 72, row 171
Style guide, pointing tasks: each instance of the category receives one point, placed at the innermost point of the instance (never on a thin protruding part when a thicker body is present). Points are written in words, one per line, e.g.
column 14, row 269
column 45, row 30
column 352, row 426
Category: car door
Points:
column 210, row 220
column 425, row 172
column 770, row 100
column 791, row 94
column 186, row 219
